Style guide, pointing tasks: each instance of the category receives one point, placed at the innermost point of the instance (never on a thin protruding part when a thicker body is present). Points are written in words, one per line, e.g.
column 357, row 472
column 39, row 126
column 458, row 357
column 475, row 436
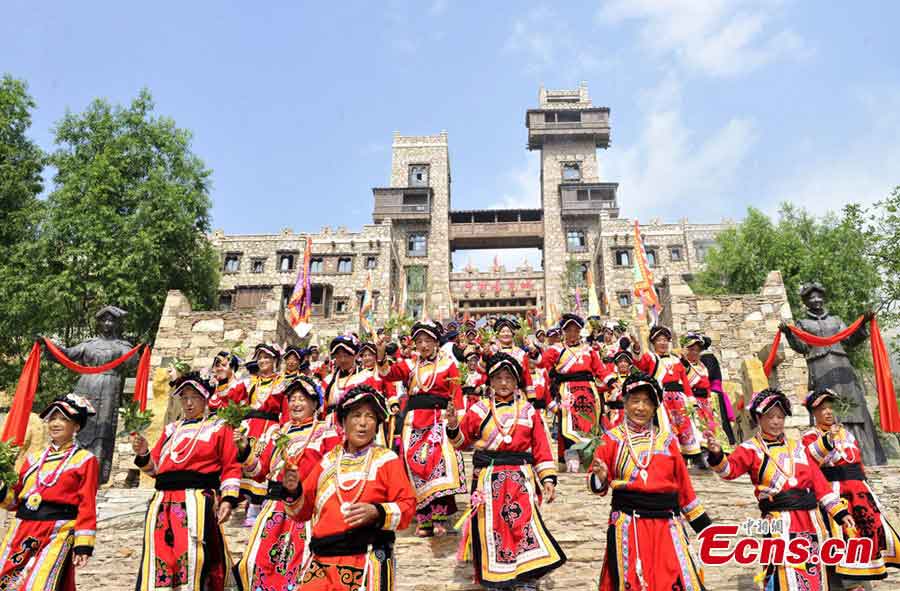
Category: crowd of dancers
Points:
column 343, row 448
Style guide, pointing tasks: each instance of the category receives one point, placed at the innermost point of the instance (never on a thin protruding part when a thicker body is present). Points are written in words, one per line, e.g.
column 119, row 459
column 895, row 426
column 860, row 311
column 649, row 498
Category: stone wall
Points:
column 618, row 234
column 432, row 150
column 195, row 336
column 740, row 326
column 340, row 309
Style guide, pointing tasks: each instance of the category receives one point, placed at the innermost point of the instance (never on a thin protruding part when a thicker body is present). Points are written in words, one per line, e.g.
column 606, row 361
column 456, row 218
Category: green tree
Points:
column 127, row 219
column 21, row 213
column 884, row 236
column 834, row 250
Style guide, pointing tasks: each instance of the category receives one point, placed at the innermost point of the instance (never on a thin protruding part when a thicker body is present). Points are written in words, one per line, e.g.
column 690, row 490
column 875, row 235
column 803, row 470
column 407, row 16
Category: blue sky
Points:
column 716, row 104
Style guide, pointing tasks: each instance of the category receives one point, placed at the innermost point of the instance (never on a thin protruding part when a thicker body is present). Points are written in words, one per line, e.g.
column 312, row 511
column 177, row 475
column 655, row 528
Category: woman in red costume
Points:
column 197, row 477
column 54, row 502
column 706, row 414
column 614, row 405
column 788, row 486
column 263, row 390
column 668, row 370
column 434, row 466
column 514, row 470
column 647, row 546
column 276, row 549
column 573, row 368
column 224, row 366
column 835, row 450
column 356, row 497
column 473, row 386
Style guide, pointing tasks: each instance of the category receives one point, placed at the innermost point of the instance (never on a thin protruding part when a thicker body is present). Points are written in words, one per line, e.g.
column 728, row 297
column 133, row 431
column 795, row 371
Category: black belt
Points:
column 483, row 458
column 260, row 414
column 48, row 511
column 538, row 404
column 578, row 376
column 426, row 401
column 673, row 387
column 700, row 392
column 354, row 541
column 844, row 472
column 469, row 390
column 796, row 499
column 185, row 479
column 615, row 404
column 646, row 505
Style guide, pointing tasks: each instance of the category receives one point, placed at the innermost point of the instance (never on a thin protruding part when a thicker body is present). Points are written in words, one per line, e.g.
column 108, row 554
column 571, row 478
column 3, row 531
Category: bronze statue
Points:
column 829, row 367
column 103, row 390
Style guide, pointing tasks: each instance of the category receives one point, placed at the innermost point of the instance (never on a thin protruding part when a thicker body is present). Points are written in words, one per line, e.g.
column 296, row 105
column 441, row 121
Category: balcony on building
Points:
column 589, row 198
column 581, row 123
column 496, row 228
column 402, row 203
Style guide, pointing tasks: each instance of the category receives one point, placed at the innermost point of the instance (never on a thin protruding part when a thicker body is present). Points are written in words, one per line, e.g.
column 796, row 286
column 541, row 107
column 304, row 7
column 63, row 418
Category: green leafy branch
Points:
column 233, row 414
column 135, row 419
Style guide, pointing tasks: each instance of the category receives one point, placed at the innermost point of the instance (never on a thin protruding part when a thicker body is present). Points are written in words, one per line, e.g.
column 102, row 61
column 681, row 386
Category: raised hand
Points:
column 240, row 439
column 139, row 444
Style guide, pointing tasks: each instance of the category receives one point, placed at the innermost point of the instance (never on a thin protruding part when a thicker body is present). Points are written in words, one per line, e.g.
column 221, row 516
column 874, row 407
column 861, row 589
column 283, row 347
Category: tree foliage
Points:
column 128, row 217
column 126, row 220
column 834, row 250
column 884, row 232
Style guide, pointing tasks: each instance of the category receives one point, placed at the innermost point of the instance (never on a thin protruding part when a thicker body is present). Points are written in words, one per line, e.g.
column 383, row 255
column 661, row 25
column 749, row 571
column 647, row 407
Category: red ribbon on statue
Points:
column 17, row 420
column 884, row 381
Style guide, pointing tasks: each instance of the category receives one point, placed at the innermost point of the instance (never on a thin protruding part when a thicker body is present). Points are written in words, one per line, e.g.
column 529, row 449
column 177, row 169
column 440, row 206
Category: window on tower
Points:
column 576, row 240
column 418, row 175
column 571, row 172
column 622, row 257
column 417, row 244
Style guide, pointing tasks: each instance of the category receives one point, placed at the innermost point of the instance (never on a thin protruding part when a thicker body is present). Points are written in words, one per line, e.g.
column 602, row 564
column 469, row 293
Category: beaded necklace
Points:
column 345, row 505
column 635, row 457
column 34, row 499
column 789, row 459
column 428, row 383
column 507, row 433
column 175, row 454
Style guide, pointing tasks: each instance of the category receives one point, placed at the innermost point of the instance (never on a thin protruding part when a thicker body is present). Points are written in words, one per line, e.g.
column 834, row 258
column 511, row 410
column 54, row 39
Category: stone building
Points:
column 408, row 248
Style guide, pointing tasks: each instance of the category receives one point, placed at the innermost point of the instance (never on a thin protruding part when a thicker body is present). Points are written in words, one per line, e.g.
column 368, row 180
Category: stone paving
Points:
column 577, row 519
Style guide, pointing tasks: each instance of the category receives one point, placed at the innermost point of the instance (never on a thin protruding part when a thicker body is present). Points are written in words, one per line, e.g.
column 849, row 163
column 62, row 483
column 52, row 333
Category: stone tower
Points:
column 568, row 129
column 418, row 205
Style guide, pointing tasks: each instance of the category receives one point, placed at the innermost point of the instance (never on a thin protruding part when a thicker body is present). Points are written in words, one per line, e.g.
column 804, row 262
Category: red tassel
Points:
column 17, row 421
column 142, row 379
column 884, row 380
column 89, row 369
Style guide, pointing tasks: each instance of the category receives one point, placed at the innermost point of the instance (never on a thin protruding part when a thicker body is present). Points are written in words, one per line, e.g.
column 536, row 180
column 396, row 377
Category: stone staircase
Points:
column 577, row 520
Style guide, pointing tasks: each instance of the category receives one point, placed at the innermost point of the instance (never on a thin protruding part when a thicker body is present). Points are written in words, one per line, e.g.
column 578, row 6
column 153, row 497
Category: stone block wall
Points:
column 432, row 150
column 372, row 242
column 195, row 336
column 740, row 326
column 618, row 233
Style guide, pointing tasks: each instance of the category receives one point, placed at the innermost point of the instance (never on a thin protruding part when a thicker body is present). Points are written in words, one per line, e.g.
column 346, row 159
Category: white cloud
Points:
column 668, row 171
column 546, row 41
column 865, row 170
column 523, row 185
column 714, row 37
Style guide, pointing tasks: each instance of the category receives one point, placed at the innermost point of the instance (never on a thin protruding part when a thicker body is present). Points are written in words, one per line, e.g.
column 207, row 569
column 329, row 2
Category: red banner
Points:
column 17, row 421
column 884, row 381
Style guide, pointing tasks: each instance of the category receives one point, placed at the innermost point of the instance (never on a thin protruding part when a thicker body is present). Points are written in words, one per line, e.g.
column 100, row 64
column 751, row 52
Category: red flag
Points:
column 17, row 420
